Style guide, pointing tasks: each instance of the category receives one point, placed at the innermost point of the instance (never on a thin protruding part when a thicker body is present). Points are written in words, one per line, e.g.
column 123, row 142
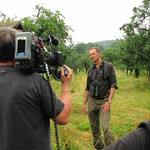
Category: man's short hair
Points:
column 96, row 48
column 7, row 44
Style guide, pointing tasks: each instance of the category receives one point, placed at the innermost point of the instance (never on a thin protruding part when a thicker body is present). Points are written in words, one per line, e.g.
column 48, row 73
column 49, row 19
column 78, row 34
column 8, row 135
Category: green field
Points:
column 130, row 106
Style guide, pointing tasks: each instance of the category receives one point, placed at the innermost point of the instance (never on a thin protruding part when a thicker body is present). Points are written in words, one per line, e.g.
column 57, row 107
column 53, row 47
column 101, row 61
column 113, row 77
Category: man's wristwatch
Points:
column 109, row 101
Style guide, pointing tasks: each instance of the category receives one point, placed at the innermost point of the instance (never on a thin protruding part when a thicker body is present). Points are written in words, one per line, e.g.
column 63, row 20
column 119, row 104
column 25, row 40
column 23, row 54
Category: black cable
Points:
column 53, row 105
column 53, row 101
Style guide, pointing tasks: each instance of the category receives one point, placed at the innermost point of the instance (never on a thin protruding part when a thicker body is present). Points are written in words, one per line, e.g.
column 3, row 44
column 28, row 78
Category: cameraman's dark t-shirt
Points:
column 25, row 110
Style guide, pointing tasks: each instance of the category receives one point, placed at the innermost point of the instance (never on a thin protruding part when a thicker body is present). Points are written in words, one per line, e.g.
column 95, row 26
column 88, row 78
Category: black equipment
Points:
column 31, row 53
column 31, row 56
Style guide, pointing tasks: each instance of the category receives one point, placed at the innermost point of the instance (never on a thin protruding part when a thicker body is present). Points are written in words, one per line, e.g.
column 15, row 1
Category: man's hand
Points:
column 106, row 107
column 84, row 109
column 63, row 78
column 64, row 116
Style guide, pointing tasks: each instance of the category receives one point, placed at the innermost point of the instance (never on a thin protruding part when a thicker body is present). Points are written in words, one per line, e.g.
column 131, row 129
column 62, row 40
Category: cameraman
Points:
column 26, row 103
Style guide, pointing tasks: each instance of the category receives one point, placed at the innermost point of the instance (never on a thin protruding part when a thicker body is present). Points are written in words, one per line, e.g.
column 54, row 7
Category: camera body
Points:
column 31, row 53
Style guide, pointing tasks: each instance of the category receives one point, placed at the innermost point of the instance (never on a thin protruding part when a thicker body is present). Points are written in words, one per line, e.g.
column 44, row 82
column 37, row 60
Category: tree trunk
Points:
column 127, row 71
column 136, row 72
column 75, row 67
column 86, row 69
column 149, row 74
column 131, row 71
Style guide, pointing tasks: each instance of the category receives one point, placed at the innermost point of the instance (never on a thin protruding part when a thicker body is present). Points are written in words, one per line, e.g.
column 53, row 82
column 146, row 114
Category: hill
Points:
column 106, row 43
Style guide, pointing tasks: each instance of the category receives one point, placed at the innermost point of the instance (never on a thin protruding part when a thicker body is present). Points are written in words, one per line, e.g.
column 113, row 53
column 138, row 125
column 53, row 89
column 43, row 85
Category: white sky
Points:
column 91, row 20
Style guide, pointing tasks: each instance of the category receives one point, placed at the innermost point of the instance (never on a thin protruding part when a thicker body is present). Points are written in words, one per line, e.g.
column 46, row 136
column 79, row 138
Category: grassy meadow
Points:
column 130, row 106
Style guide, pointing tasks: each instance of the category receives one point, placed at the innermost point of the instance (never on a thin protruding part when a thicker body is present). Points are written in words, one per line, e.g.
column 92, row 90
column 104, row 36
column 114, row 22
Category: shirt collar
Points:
column 94, row 66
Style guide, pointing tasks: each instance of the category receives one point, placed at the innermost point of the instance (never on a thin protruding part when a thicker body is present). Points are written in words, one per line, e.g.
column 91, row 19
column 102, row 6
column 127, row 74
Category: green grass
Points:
column 130, row 106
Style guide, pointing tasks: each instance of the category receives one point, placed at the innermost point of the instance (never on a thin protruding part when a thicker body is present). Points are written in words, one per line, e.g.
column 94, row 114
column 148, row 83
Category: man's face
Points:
column 94, row 55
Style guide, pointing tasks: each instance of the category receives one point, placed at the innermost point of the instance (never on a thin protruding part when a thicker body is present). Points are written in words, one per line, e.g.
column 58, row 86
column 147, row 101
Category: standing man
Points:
column 99, row 92
column 26, row 105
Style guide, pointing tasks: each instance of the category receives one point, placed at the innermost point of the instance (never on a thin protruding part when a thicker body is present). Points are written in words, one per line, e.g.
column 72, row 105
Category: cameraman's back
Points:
column 22, row 119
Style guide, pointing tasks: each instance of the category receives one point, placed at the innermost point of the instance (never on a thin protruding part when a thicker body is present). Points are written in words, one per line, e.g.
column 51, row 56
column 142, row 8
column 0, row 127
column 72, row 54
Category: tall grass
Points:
column 130, row 106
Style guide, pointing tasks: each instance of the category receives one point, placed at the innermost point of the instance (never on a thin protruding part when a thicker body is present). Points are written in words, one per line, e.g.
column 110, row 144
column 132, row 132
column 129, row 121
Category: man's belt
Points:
column 101, row 98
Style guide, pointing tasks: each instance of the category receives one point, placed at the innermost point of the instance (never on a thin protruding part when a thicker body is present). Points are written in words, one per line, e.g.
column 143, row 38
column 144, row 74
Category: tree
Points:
column 138, row 31
column 113, row 44
column 45, row 22
column 80, row 48
column 71, row 61
column 84, row 62
column 109, row 55
column 125, row 53
column 5, row 19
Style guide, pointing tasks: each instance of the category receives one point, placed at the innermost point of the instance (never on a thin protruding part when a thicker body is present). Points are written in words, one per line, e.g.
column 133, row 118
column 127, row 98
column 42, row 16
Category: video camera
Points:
column 31, row 54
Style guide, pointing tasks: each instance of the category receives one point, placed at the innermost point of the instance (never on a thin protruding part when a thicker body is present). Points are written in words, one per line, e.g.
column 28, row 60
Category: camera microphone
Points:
column 52, row 39
column 55, row 40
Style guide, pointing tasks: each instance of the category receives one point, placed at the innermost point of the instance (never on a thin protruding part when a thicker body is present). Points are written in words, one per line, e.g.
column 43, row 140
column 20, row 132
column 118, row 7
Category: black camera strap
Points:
column 103, row 69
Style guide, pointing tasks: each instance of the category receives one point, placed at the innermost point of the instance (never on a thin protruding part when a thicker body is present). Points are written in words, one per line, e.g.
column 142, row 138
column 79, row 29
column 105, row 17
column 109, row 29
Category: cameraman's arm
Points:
column 63, row 117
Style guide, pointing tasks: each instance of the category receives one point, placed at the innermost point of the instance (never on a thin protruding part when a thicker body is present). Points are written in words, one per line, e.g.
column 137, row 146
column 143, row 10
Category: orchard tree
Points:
column 4, row 18
column 80, row 48
column 109, row 55
column 45, row 22
column 125, row 53
column 137, row 33
column 71, row 61
column 84, row 62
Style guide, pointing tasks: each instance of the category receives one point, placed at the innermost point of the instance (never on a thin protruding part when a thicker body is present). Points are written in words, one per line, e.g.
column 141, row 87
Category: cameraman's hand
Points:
column 65, row 79
column 64, row 116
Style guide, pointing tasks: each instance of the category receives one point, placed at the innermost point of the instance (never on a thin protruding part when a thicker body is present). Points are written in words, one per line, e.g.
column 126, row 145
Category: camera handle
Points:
column 57, row 74
column 65, row 71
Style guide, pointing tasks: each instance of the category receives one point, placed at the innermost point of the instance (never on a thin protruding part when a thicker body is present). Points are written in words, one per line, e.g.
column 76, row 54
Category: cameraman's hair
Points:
column 7, row 44
column 96, row 48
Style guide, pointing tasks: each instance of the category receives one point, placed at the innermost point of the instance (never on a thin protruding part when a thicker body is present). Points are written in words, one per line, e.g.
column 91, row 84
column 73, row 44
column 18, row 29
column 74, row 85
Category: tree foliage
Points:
column 137, row 35
column 132, row 52
column 5, row 19
column 109, row 55
column 45, row 22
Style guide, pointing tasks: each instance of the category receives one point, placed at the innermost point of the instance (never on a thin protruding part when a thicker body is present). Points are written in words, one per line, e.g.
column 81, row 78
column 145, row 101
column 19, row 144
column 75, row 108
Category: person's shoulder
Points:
column 33, row 77
column 91, row 68
column 107, row 63
column 145, row 124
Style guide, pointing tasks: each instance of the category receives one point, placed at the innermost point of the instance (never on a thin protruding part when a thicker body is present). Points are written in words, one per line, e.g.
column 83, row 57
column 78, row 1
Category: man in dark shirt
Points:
column 138, row 139
column 99, row 92
column 26, row 105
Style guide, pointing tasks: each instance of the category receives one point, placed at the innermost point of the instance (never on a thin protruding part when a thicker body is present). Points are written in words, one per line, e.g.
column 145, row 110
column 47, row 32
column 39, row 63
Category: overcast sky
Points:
column 91, row 20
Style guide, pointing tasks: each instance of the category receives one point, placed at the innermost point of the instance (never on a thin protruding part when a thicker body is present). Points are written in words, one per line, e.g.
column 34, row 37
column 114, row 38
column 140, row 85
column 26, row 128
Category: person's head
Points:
column 94, row 54
column 7, row 44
